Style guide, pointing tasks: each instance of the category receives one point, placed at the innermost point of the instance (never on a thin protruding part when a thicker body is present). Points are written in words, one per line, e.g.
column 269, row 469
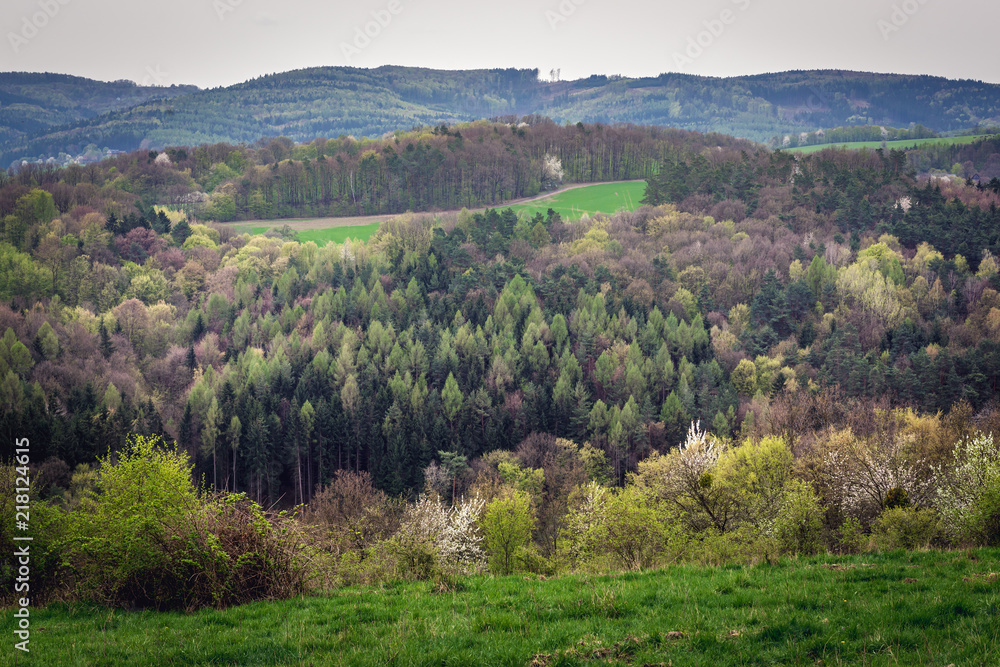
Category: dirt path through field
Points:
column 302, row 224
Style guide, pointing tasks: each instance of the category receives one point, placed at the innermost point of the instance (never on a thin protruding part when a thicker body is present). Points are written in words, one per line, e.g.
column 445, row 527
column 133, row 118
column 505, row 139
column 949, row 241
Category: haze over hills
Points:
column 42, row 115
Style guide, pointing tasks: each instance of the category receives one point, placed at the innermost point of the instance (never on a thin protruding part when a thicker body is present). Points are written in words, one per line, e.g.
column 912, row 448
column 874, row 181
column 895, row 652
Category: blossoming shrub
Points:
column 968, row 495
column 866, row 475
column 434, row 537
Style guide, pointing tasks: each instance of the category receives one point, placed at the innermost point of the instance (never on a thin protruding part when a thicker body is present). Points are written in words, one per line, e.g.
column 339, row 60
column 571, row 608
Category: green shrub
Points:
column 905, row 528
column 115, row 545
column 633, row 532
column 530, row 560
column 897, row 497
column 507, row 525
column 852, row 536
column 798, row 526
column 146, row 540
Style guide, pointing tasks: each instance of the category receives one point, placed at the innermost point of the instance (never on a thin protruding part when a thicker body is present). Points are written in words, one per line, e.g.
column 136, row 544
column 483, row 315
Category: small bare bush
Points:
column 352, row 515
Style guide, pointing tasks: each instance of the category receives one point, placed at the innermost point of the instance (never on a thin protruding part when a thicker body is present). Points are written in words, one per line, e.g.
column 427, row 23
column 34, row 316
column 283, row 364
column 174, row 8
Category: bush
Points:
column 799, row 524
column 905, row 528
column 352, row 514
column 146, row 540
column 115, row 545
column 897, row 497
column 507, row 525
column 969, row 492
column 852, row 536
column 632, row 531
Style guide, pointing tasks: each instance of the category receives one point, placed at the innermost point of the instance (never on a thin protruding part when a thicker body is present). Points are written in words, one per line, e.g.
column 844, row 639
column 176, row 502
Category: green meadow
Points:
column 573, row 204
column 319, row 236
column 899, row 145
column 901, row 608
column 338, row 234
column 570, row 204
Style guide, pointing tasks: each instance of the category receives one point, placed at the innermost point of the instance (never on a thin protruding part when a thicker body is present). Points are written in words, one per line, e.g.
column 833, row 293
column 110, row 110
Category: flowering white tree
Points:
column 863, row 472
column 433, row 532
column 968, row 494
column 460, row 543
column 685, row 479
column 552, row 172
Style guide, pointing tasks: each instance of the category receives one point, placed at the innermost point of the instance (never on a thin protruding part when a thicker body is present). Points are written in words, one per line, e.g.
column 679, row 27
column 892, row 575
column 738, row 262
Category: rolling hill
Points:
column 43, row 115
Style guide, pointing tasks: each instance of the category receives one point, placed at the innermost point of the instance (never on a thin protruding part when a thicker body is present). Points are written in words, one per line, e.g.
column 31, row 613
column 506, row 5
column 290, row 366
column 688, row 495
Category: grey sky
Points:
column 221, row 42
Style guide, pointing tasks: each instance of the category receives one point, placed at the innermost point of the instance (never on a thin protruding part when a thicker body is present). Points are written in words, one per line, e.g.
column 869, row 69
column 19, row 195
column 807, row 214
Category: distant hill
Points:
column 33, row 105
column 42, row 115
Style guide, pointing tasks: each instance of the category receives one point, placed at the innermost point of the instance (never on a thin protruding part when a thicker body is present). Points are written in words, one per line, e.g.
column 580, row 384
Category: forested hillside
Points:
column 470, row 165
column 33, row 104
column 332, row 101
column 763, row 293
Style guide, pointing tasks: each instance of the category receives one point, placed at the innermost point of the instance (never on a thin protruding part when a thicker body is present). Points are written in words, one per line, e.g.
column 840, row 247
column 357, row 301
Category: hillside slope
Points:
column 331, row 101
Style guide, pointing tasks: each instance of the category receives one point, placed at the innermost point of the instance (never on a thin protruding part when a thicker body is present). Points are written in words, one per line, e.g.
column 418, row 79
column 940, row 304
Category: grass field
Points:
column 926, row 608
column 591, row 199
column 571, row 204
column 320, row 236
column 903, row 144
column 338, row 234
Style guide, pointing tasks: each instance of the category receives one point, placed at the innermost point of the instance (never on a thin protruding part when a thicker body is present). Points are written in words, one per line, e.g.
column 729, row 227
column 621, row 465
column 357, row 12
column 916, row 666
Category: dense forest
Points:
column 472, row 165
column 776, row 354
column 754, row 285
column 50, row 115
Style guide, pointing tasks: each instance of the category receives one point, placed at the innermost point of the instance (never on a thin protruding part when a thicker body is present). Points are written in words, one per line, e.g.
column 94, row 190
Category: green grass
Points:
column 320, row 236
column 899, row 145
column 927, row 608
column 338, row 234
column 603, row 198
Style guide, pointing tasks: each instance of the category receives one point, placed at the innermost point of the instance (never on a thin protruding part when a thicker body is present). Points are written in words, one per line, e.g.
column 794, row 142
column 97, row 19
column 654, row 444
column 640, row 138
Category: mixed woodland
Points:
column 775, row 354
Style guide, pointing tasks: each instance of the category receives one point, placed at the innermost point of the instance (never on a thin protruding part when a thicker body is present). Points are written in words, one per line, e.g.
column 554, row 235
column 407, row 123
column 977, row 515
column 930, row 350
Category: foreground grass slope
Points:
column 933, row 608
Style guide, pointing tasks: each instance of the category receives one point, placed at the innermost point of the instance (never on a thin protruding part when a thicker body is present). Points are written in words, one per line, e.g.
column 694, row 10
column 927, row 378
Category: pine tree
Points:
column 106, row 347
column 181, row 232
column 184, row 434
column 199, row 328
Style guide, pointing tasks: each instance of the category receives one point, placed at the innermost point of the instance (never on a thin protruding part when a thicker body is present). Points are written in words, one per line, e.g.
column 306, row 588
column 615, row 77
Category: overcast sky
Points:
column 220, row 42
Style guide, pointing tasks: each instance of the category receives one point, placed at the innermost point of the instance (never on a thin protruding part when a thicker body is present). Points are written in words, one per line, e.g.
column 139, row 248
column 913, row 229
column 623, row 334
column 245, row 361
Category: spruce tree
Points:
column 106, row 346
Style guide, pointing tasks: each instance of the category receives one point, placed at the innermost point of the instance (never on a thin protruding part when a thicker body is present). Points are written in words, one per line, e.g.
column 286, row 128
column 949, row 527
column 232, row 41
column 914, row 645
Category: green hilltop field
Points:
column 592, row 199
column 571, row 204
column 902, row 144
